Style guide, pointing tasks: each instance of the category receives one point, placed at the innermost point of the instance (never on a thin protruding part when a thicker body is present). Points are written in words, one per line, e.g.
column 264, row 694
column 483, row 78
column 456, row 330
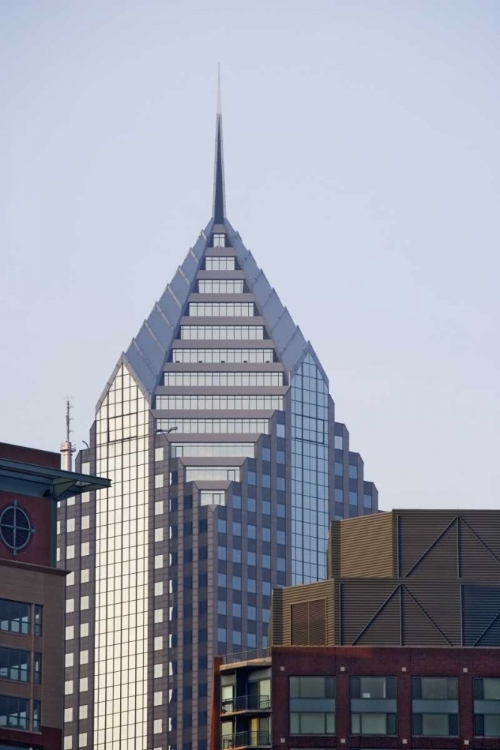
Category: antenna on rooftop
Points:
column 67, row 448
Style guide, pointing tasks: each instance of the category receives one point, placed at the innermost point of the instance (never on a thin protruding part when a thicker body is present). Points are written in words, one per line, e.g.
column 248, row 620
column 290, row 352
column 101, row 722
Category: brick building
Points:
column 357, row 697
column 32, row 595
column 397, row 649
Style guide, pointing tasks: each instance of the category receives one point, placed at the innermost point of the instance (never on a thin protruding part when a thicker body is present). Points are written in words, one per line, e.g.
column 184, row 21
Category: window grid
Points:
column 223, row 402
column 221, row 356
column 121, row 569
column 212, row 450
column 223, row 379
column 214, row 426
column 221, row 309
column 212, row 473
column 220, row 263
column 309, row 473
column 222, row 333
column 220, row 286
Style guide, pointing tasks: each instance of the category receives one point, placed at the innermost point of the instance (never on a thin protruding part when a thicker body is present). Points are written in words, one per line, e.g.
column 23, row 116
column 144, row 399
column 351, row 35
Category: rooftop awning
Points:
column 42, row 481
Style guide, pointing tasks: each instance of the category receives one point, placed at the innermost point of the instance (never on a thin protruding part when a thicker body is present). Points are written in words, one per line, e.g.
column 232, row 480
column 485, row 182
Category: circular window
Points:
column 15, row 527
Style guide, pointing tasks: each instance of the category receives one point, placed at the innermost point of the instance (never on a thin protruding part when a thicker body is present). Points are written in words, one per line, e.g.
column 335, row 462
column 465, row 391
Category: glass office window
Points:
column 214, row 426
column 212, row 473
column 225, row 379
column 122, row 550
column 219, row 402
column 220, row 263
column 220, row 286
column 218, row 240
column 221, row 310
column 15, row 616
column 222, row 333
column 212, row 498
column 221, row 356
column 212, row 450
column 309, row 459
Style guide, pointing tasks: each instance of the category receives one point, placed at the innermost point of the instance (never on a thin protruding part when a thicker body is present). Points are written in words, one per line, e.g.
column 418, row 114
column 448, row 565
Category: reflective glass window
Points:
column 221, row 333
column 14, row 664
column 212, row 450
column 15, row 616
column 220, row 286
column 14, row 712
column 221, row 310
column 223, row 379
column 222, row 263
column 221, row 356
column 219, row 402
column 214, row 426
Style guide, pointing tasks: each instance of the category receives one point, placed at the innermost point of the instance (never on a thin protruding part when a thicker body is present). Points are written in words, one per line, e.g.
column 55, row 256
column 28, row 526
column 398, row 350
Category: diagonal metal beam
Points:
column 480, row 540
column 428, row 616
column 431, row 547
column 379, row 610
column 487, row 628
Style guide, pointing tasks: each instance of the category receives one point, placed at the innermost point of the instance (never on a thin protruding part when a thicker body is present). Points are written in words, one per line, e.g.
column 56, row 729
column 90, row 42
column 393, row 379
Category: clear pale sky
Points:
column 362, row 169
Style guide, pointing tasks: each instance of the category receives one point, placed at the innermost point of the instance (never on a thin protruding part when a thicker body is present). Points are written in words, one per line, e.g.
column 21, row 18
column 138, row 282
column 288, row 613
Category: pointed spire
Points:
column 219, row 206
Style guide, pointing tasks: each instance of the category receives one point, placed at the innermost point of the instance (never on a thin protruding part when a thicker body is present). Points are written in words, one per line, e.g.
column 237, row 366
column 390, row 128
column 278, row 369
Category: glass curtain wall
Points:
column 309, row 473
column 120, row 678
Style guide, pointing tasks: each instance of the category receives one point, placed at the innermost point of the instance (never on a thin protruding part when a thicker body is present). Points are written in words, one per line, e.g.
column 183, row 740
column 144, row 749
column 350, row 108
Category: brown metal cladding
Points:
column 317, row 621
column 445, row 595
column 366, row 547
column 361, row 601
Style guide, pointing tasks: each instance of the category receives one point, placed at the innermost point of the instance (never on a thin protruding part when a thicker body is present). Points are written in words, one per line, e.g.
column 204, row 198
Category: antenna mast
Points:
column 67, row 448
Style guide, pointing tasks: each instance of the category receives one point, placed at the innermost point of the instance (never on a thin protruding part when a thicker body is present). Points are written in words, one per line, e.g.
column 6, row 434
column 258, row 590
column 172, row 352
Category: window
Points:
column 219, row 240
column 14, row 712
column 221, row 310
column 487, row 707
column 312, row 705
column 222, row 333
column 435, row 706
column 212, row 473
column 37, row 668
column 219, row 263
column 212, row 498
column 353, row 472
column 339, row 469
column 373, row 705
column 353, row 498
column 339, row 442
column 225, row 379
column 14, row 664
column 212, row 450
column 221, row 356
column 227, row 403
column 215, row 426
column 15, row 527
column 367, row 501
column 15, row 616
column 220, row 286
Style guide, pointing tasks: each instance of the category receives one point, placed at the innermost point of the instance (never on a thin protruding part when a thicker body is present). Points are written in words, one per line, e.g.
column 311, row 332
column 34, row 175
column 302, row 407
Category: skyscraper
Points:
column 219, row 434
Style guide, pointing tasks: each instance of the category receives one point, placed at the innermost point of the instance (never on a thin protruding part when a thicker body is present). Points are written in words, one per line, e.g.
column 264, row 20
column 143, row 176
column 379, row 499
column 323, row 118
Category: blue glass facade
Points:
column 309, row 450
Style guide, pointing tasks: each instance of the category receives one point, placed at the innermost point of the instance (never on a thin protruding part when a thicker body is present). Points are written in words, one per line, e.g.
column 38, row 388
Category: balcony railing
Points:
column 246, row 703
column 247, row 739
column 256, row 653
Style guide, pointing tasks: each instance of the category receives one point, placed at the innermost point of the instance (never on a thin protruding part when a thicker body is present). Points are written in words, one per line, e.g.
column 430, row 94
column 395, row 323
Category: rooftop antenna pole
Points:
column 67, row 448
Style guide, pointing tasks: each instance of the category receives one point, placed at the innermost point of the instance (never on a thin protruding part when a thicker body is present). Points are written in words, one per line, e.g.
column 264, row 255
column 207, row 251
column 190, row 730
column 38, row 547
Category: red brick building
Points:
column 32, row 593
column 356, row 697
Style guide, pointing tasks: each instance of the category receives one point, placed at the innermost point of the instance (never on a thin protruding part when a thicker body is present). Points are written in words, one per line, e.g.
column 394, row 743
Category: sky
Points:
column 362, row 160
